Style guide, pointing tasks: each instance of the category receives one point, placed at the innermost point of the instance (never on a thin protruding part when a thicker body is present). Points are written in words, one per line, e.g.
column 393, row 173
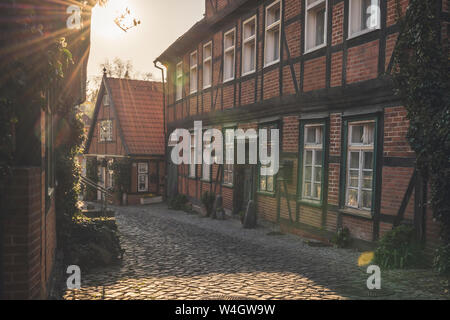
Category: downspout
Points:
column 155, row 63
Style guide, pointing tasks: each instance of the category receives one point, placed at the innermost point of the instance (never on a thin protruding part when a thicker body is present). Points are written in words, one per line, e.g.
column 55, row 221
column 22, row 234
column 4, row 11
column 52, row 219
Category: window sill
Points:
column 207, row 87
column 266, row 193
column 360, row 33
column 310, row 203
column 228, row 185
column 192, row 178
column 266, row 65
column 356, row 212
column 204, row 180
column 248, row 73
column 228, row 80
column 315, row 48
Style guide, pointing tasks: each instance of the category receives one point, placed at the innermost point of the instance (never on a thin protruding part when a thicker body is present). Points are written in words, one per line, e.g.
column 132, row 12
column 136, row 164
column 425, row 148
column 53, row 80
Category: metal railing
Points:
column 104, row 192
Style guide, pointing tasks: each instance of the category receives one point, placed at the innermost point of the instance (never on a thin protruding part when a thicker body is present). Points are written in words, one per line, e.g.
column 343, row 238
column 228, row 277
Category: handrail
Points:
column 104, row 192
column 95, row 186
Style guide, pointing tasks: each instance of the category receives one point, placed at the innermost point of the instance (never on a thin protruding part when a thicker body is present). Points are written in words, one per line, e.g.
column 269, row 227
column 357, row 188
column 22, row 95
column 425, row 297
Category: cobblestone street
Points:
column 175, row 255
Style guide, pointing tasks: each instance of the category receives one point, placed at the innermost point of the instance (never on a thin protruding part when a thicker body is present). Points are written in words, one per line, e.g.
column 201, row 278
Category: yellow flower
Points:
column 365, row 258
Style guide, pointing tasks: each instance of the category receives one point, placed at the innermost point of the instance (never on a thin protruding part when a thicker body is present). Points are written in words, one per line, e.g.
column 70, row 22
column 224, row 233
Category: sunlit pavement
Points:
column 173, row 255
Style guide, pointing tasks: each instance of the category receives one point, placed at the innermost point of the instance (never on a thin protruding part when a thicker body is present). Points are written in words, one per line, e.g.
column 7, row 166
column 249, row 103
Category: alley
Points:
column 174, row 255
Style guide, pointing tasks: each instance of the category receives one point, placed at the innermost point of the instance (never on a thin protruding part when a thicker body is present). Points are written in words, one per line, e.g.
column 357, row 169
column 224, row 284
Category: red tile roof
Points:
column 139, row 107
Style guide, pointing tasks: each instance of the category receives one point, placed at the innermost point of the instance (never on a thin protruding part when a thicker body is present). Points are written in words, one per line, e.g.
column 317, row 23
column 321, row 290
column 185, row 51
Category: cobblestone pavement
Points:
column 175, row 255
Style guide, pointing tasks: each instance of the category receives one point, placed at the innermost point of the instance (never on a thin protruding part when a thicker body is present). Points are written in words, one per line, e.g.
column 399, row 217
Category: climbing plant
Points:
column 421, row 78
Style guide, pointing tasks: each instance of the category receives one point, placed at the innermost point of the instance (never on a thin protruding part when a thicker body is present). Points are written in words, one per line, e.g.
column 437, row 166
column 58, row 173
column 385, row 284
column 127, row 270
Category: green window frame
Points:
column 267, row 184
column 206, row 168
column 192, row 168
column 228, row 169
column 359, row 154
column 311, row 161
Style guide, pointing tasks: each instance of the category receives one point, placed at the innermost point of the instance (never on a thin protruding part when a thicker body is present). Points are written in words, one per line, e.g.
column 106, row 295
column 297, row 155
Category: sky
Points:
column 162, row 22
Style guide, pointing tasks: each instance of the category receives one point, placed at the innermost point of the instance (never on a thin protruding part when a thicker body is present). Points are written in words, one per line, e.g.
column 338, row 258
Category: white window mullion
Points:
column 193, row 72
column 179, row 81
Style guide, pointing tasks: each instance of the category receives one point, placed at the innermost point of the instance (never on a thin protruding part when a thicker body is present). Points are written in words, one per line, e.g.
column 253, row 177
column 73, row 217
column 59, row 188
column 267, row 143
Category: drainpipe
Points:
column 155, row 63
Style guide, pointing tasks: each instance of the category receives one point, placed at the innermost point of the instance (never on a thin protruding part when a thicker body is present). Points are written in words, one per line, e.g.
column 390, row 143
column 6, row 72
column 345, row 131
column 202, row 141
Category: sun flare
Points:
column 103, row 21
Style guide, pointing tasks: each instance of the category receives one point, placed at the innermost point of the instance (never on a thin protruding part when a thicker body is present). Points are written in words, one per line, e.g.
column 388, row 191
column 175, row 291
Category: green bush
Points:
column 92, row 242
column 179, row 202
column 398, row 249
column 208, row 199
column 442, row 260
column 342, row 238
column 92, row 174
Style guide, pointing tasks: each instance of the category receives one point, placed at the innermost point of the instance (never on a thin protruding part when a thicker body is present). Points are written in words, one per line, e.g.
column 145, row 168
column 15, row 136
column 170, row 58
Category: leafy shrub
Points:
column 342, row 238
column 398, row 249
column 442, row 260
column 179, row 202
column 208, row 199
column 92, row 242
column 92, row 174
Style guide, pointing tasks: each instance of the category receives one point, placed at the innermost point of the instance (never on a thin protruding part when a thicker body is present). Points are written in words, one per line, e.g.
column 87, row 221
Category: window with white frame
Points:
column 364, row 16
column 229, row 41
column 179, row 81
column 193, row 80
column 106, row 132
column 192, row 165
column 273, row 31
column 249, row 46
column 316, row 20
column 228, row 167
column 143, row 177
column 106, row 100
column 207, row 65
column 312, row 162
column 360, row 163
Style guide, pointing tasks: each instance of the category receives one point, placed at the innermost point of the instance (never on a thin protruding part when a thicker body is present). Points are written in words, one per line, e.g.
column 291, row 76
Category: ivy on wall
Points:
column 421, row 77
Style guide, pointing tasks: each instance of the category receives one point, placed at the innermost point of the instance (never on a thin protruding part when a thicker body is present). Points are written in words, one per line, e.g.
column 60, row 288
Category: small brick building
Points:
column 319, row 72
column 128, row 122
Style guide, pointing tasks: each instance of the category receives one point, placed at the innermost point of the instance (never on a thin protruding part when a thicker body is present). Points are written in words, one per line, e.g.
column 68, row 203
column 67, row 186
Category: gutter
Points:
column 155, row 63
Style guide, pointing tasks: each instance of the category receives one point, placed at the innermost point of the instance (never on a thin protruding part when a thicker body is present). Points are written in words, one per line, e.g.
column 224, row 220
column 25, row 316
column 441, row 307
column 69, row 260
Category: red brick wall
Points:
column 314, row 74
column 360, row 63
column 28, row 237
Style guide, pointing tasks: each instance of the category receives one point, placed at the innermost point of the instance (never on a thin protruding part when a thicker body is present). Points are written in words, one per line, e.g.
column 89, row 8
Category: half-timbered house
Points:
column 128, row 123
column 319, row 71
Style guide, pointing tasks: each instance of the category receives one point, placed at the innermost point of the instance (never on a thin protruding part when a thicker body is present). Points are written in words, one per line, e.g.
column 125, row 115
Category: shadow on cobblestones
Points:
column 172, row 255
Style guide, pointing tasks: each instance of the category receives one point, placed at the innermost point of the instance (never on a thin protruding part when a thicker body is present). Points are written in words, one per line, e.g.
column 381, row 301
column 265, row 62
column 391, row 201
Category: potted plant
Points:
column 208, row 201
